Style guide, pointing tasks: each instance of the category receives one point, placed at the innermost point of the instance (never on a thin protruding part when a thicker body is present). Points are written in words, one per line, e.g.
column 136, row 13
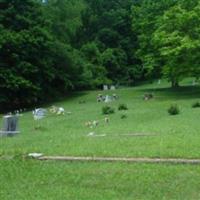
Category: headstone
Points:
column 108, row 99
column 159, row 82
column 114, row 97
column 105, row 87
column 113, row 87
column 39, row 113
column 194, row 83
column 10, row 125
column 61, row 111
column 148, row 96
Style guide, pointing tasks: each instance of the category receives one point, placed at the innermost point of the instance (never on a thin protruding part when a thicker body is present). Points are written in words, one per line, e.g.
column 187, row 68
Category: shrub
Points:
column 196, row 104
column 122, row 107
column 148, row 96
column 173, row 110
column 108, row 110
column 123, row 116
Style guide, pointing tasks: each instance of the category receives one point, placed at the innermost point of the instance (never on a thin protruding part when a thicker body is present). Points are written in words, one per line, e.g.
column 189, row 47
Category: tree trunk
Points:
column 174, row 83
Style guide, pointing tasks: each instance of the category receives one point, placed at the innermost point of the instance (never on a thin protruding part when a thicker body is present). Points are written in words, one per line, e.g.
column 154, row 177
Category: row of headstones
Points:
column 106, row 98
column 10, row 122
column 106, row 87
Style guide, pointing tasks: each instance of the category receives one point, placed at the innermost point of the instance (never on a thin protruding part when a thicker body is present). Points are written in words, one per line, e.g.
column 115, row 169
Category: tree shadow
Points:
column 183, row 92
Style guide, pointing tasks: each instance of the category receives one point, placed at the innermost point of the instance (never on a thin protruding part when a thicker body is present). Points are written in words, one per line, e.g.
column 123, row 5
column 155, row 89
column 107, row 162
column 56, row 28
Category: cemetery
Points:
column 99, row 100
column 138, row 131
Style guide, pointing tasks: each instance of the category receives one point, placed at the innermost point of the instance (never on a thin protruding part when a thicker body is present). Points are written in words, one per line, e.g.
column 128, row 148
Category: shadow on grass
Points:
column 183, row 92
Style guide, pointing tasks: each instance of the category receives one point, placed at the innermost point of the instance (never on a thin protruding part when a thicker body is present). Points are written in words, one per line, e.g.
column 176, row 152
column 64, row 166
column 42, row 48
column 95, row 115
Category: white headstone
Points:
column 108, row 99
column 39, row 113
column 105, row 87
column 113, row 87
column 194, row 83
column 159, row 82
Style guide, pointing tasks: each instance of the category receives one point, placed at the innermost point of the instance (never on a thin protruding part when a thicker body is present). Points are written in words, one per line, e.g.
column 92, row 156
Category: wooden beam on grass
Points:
column 121, row 159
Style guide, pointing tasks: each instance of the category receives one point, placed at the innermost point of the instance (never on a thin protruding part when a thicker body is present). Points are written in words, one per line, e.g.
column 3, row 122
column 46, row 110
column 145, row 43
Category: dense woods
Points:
column 49, row 48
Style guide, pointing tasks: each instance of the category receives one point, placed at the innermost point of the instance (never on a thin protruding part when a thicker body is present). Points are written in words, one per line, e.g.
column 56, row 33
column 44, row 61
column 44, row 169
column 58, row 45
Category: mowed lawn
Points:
column 169, row 137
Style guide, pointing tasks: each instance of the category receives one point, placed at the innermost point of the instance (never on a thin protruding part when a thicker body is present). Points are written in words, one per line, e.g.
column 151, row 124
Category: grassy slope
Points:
column 178, row 136
column 34, row 180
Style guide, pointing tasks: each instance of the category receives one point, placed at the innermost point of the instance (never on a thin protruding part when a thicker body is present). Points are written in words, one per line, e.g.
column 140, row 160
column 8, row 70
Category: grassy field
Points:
column 174, row 136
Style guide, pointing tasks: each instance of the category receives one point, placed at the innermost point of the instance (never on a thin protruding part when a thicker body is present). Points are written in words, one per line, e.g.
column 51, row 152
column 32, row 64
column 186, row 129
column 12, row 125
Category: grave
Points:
column 39, row 113
column 108, row 99
column 112, row 87
column 148, row 96
column 10, row 125
column 105, row 87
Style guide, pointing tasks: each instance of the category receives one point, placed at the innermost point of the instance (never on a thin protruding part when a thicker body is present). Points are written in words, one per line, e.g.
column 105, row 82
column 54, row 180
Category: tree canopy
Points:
column 49, row 48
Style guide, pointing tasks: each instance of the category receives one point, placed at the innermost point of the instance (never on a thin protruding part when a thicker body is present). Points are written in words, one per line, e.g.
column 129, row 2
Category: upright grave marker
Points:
column 10, row 125
column 112, row 87
column 105, row 87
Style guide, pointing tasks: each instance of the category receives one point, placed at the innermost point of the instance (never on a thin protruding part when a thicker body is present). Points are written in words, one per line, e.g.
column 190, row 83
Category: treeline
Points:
column 48, row 48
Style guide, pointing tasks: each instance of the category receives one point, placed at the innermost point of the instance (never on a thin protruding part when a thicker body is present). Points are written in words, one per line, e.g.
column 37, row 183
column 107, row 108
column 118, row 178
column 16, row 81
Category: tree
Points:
column 108, row 25
column 145, row 14
column 34, row 65
column 177, row 39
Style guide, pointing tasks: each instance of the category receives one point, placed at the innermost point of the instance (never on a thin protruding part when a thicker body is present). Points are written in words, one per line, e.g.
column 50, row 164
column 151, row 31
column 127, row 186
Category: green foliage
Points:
column 196, row 105
column 108, row 25
column 122, row 107
column 35, row 64
column 168, row 33
column 106, row 110
column 173, row 110
column 123, row 116
column 48, row 49
column 24, row 71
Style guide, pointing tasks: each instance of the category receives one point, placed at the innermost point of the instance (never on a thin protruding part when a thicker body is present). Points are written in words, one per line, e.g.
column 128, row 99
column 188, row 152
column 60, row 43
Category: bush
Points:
column 108, row 110
column 148, row 96
column 196, row 104
column 173, row 110
column 122, row 107
column 123, row 116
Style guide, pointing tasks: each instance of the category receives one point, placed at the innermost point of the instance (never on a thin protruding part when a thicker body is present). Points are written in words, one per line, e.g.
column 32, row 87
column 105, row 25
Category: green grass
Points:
column 177, row 136
column 22, row 180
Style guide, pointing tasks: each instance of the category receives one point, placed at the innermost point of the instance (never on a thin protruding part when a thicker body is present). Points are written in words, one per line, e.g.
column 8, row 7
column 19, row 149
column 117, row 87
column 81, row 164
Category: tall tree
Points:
column 145, row 14
column 108, row 24
column 32, row 62
column 178, row 41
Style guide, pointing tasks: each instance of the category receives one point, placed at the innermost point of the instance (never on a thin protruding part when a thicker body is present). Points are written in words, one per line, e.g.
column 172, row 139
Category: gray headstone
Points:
column 10, row 125
column 105, row 87
column 113, row 87
column 108, row 99
column 39, row 113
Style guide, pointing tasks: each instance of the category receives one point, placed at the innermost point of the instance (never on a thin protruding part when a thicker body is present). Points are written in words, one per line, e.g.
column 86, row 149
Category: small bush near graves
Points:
column 148, row 96
column 196, row 104
column 173, row 110
column 122, row 107
column 123, row 116
column 106, row 110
